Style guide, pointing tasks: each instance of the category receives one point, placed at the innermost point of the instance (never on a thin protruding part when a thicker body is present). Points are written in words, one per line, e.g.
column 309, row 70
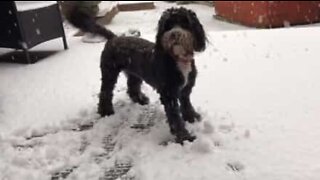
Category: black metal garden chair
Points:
column 22, row 30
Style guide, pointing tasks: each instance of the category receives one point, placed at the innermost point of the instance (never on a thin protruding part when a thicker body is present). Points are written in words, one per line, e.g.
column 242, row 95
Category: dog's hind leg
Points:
column 187, row 110
column 108, row 81
column 134, row 90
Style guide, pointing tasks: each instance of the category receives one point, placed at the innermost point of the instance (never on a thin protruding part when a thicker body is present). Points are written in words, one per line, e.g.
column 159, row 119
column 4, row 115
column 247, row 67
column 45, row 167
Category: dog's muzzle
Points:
column 179, row 43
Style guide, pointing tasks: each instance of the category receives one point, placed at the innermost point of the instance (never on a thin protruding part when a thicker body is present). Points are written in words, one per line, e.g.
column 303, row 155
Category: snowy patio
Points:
column 257, row 91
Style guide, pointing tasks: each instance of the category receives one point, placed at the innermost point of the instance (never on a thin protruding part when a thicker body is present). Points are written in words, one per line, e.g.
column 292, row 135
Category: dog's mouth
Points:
column 181, row 54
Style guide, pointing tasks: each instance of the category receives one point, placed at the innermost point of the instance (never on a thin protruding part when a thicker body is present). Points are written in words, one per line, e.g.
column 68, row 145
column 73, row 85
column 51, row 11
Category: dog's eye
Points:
column 169, row 25
column 184, row 26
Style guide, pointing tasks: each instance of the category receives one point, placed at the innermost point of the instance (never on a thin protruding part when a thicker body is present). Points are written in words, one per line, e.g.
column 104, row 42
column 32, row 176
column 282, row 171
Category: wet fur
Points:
column 155, row 63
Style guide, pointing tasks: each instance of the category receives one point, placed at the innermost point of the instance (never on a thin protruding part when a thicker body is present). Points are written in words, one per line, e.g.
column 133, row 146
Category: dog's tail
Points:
column 87, row 23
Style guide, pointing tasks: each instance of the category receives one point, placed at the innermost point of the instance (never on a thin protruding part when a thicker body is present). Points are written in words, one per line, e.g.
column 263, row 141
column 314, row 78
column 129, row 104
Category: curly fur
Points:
column 167, row 65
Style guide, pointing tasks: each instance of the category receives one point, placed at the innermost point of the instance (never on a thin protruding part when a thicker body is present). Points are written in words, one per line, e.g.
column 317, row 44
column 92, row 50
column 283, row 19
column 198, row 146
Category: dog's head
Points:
column 180, row 33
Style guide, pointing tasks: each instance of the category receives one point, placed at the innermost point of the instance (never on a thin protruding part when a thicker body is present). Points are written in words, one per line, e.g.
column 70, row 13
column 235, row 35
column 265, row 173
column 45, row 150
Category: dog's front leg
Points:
column 176, row 123
column 187, row 109
column 188, row 112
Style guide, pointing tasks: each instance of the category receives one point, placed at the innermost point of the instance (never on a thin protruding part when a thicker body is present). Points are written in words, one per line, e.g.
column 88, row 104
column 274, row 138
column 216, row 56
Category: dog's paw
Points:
column 184, row 136
column 140, row 98
column 105, row 111
column 197, row 116
column 192, row 117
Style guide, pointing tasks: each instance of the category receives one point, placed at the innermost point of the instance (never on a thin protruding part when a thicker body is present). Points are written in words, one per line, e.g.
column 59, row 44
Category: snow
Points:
column 30, row 5
column 106, row 6
column 257, row 91
column 133, row 2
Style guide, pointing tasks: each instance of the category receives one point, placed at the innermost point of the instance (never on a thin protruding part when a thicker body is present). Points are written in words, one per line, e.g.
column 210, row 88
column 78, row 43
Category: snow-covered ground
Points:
column 257, row 91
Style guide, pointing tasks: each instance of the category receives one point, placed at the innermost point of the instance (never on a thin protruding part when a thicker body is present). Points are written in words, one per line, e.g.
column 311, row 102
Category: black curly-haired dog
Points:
column 167, row 65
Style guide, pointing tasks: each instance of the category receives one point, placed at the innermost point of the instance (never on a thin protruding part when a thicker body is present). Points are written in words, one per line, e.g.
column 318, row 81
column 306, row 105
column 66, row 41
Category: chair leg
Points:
column 26, row 52
column 62, row 28
column 64, row 42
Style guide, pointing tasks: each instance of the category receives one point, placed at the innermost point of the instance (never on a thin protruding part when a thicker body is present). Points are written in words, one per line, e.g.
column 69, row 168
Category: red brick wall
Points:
column 269, row 13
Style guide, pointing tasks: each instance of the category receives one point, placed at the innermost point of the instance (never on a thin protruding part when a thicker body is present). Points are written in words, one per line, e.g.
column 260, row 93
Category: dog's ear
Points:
column 161, row 26
column 198, row 32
